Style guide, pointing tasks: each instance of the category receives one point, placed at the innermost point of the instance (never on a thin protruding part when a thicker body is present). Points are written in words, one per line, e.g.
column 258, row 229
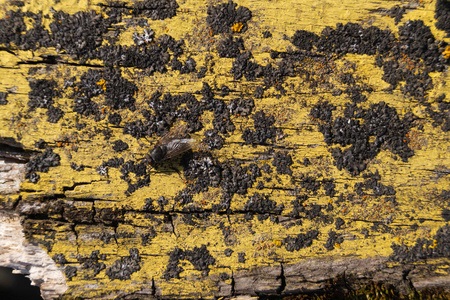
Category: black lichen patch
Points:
column 120, row 146
column 309, row 183
column 282, row 161
column 70, row 272
column 140, row 172
column 322, row 111
column 125, row 266
column 339, row 222
column 118, row 92
column 437, row 247
column 184, row 68
column 424, row 55
column 81, row 33
column 13, row 31
column 76, row 167
column 264, row 129
column 199, row 257
column 78, row 214
column 169, row 108
column 262, row 205
column 302, row 240
column 445, row 214
column 109, row 216
column 54, row 114
column 333, row 239
column 114, row 119
column 241, row 107
column 88, row 88
column 222, row 17
column 155, row 10
column 373, row 183
column 304, row 40
column 152, row 57
column 42, row 93
column 41, row 163
column 92, row 262
column 267, row 34
column 148, row 236
column 353, row 38
column 397, row 13
column 213, row 140
column 3, row 97
column 59, row 258
column 441, row 116
column 230, row 47
column 236, row 179
column 381, row 123
column 241, row 257
column 442, row 15
column 408, row 59
column 12, row 27
column 205, row 171
column 244, row 66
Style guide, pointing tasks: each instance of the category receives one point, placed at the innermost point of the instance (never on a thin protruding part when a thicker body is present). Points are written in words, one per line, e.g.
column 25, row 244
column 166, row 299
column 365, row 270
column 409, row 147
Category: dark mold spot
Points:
column 125, row 266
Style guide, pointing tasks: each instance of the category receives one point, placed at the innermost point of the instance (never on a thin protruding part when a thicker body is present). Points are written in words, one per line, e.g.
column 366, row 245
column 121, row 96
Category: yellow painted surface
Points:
column 415, row 183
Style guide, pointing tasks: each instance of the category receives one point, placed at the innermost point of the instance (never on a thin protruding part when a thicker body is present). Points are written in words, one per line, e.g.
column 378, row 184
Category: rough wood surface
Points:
column 323, row 160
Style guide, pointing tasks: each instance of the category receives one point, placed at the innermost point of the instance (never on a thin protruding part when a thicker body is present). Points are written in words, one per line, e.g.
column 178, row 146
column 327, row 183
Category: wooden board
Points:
column 322, row 159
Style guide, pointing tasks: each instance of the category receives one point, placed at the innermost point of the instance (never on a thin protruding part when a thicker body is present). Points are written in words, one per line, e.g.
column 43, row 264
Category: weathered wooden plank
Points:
column 322, row 162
